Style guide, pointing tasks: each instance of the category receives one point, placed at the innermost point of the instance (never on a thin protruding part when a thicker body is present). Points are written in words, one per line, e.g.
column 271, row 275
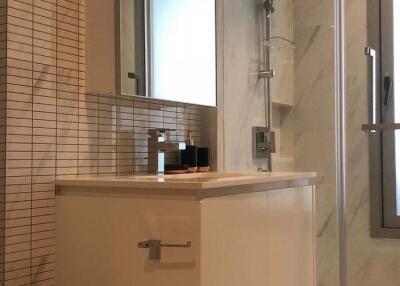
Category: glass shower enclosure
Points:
column 367, row 123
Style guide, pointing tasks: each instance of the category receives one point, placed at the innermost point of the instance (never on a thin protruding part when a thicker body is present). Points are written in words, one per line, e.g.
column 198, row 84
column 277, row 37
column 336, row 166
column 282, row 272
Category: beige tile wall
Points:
column 43, row 78
column 55, row 128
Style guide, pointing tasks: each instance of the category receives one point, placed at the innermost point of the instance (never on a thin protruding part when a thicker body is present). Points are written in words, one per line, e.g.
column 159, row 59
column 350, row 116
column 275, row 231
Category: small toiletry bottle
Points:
column 189, row 156
column 203, row 159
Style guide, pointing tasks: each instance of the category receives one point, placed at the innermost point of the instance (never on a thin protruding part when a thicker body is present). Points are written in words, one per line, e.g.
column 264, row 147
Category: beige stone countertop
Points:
column 190, row 182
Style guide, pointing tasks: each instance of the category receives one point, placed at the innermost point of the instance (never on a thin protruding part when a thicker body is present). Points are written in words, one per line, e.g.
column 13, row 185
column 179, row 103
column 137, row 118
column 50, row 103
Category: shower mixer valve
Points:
column 263, row 142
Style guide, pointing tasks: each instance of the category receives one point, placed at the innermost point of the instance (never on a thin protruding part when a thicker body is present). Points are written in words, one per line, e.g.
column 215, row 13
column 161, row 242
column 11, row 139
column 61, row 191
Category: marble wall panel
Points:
column 282, row 52
column 244, row 104
column 314, row 123
column 314, row 13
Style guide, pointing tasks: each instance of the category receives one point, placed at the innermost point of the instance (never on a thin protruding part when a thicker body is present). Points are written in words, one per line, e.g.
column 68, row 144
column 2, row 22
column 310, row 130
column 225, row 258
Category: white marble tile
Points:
column 313, row 12
column 282, row 62
column 314, row 123
column 282, row 24
column 243, row 105
column 244, row 98
column 314, row 79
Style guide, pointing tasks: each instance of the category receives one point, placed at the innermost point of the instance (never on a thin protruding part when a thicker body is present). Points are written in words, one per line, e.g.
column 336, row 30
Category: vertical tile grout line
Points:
column 79, row 93
column 148, row 123
column 176, row 121
column 56, row 102
column 133, row 136
column 130, row 150
column 56, row 95
column 163, row 120
column 98, row 133
column 32, row 147
column 5, row 142
column 117, row 134
column 117, row 116
column 176, row 133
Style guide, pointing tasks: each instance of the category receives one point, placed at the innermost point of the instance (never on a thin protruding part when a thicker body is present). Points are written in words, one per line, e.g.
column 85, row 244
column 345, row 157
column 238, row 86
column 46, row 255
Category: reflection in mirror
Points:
column 132, row 47
column 168, row 50
column 183, row 50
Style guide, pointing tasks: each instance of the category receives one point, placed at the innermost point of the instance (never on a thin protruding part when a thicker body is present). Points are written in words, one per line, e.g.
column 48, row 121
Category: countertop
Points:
column 200, row 184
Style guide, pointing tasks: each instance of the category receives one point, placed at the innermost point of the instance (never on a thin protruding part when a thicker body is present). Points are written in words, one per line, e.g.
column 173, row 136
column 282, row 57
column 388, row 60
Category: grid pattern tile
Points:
column 50, row 126
column 113, row 132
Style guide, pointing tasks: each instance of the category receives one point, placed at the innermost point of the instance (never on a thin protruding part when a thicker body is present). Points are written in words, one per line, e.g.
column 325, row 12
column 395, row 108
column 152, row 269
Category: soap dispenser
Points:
column 189, row 156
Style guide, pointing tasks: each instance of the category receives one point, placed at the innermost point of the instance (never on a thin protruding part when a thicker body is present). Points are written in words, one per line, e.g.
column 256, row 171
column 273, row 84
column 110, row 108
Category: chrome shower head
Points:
column 269, row 6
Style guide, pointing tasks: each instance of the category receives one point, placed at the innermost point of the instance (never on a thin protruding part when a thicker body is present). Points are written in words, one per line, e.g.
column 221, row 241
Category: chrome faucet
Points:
column 159, row 143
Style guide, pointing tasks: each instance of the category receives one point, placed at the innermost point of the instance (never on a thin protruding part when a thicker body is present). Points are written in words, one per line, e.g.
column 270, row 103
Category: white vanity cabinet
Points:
column 246, row 238
column 264, row 238
column 97, row 241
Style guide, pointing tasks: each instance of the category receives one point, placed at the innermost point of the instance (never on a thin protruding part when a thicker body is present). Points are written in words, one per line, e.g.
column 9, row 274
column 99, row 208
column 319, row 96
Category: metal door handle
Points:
column 376, row 125
column 374, row 100
column 155, row 246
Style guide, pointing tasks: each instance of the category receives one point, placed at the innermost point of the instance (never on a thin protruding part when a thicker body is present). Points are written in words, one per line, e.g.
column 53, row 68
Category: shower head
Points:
column 269, row 6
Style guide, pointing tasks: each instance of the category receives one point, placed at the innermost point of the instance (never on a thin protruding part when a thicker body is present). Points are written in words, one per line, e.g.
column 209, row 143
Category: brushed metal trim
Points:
column 340, row 136
column 155, row 245
column 380, row 127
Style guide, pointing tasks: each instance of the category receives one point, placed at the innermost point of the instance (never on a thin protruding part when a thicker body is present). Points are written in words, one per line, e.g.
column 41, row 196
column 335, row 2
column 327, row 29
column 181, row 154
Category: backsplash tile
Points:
column 50, row 126
column 112, row 131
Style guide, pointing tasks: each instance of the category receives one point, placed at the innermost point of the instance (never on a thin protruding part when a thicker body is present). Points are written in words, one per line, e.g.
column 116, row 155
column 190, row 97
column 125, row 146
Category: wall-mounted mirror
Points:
column 168, row 50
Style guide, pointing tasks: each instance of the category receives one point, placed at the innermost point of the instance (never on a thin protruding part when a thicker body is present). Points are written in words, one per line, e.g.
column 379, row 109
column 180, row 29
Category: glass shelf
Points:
column 278, row 43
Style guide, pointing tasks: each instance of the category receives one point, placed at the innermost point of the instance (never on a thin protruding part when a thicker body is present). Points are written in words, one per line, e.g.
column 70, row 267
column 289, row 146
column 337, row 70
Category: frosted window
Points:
column 183, row 54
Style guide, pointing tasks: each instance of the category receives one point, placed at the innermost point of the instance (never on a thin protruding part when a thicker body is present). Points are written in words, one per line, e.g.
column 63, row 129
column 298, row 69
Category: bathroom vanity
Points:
column 208, row 229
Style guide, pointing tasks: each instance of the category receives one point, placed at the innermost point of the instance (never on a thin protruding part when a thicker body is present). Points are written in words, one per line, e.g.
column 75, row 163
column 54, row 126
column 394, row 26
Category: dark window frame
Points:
column 381, row 193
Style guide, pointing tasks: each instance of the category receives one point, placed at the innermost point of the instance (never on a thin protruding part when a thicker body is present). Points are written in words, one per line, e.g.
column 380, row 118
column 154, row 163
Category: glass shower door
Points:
column 371, row 246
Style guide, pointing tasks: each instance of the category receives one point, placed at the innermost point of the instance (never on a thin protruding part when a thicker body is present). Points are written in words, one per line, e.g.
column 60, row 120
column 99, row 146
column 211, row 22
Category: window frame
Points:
column 380, row 191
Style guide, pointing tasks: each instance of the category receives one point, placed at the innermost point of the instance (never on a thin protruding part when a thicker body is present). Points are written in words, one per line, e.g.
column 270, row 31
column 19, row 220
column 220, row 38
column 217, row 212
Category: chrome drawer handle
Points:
column 155, row 246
